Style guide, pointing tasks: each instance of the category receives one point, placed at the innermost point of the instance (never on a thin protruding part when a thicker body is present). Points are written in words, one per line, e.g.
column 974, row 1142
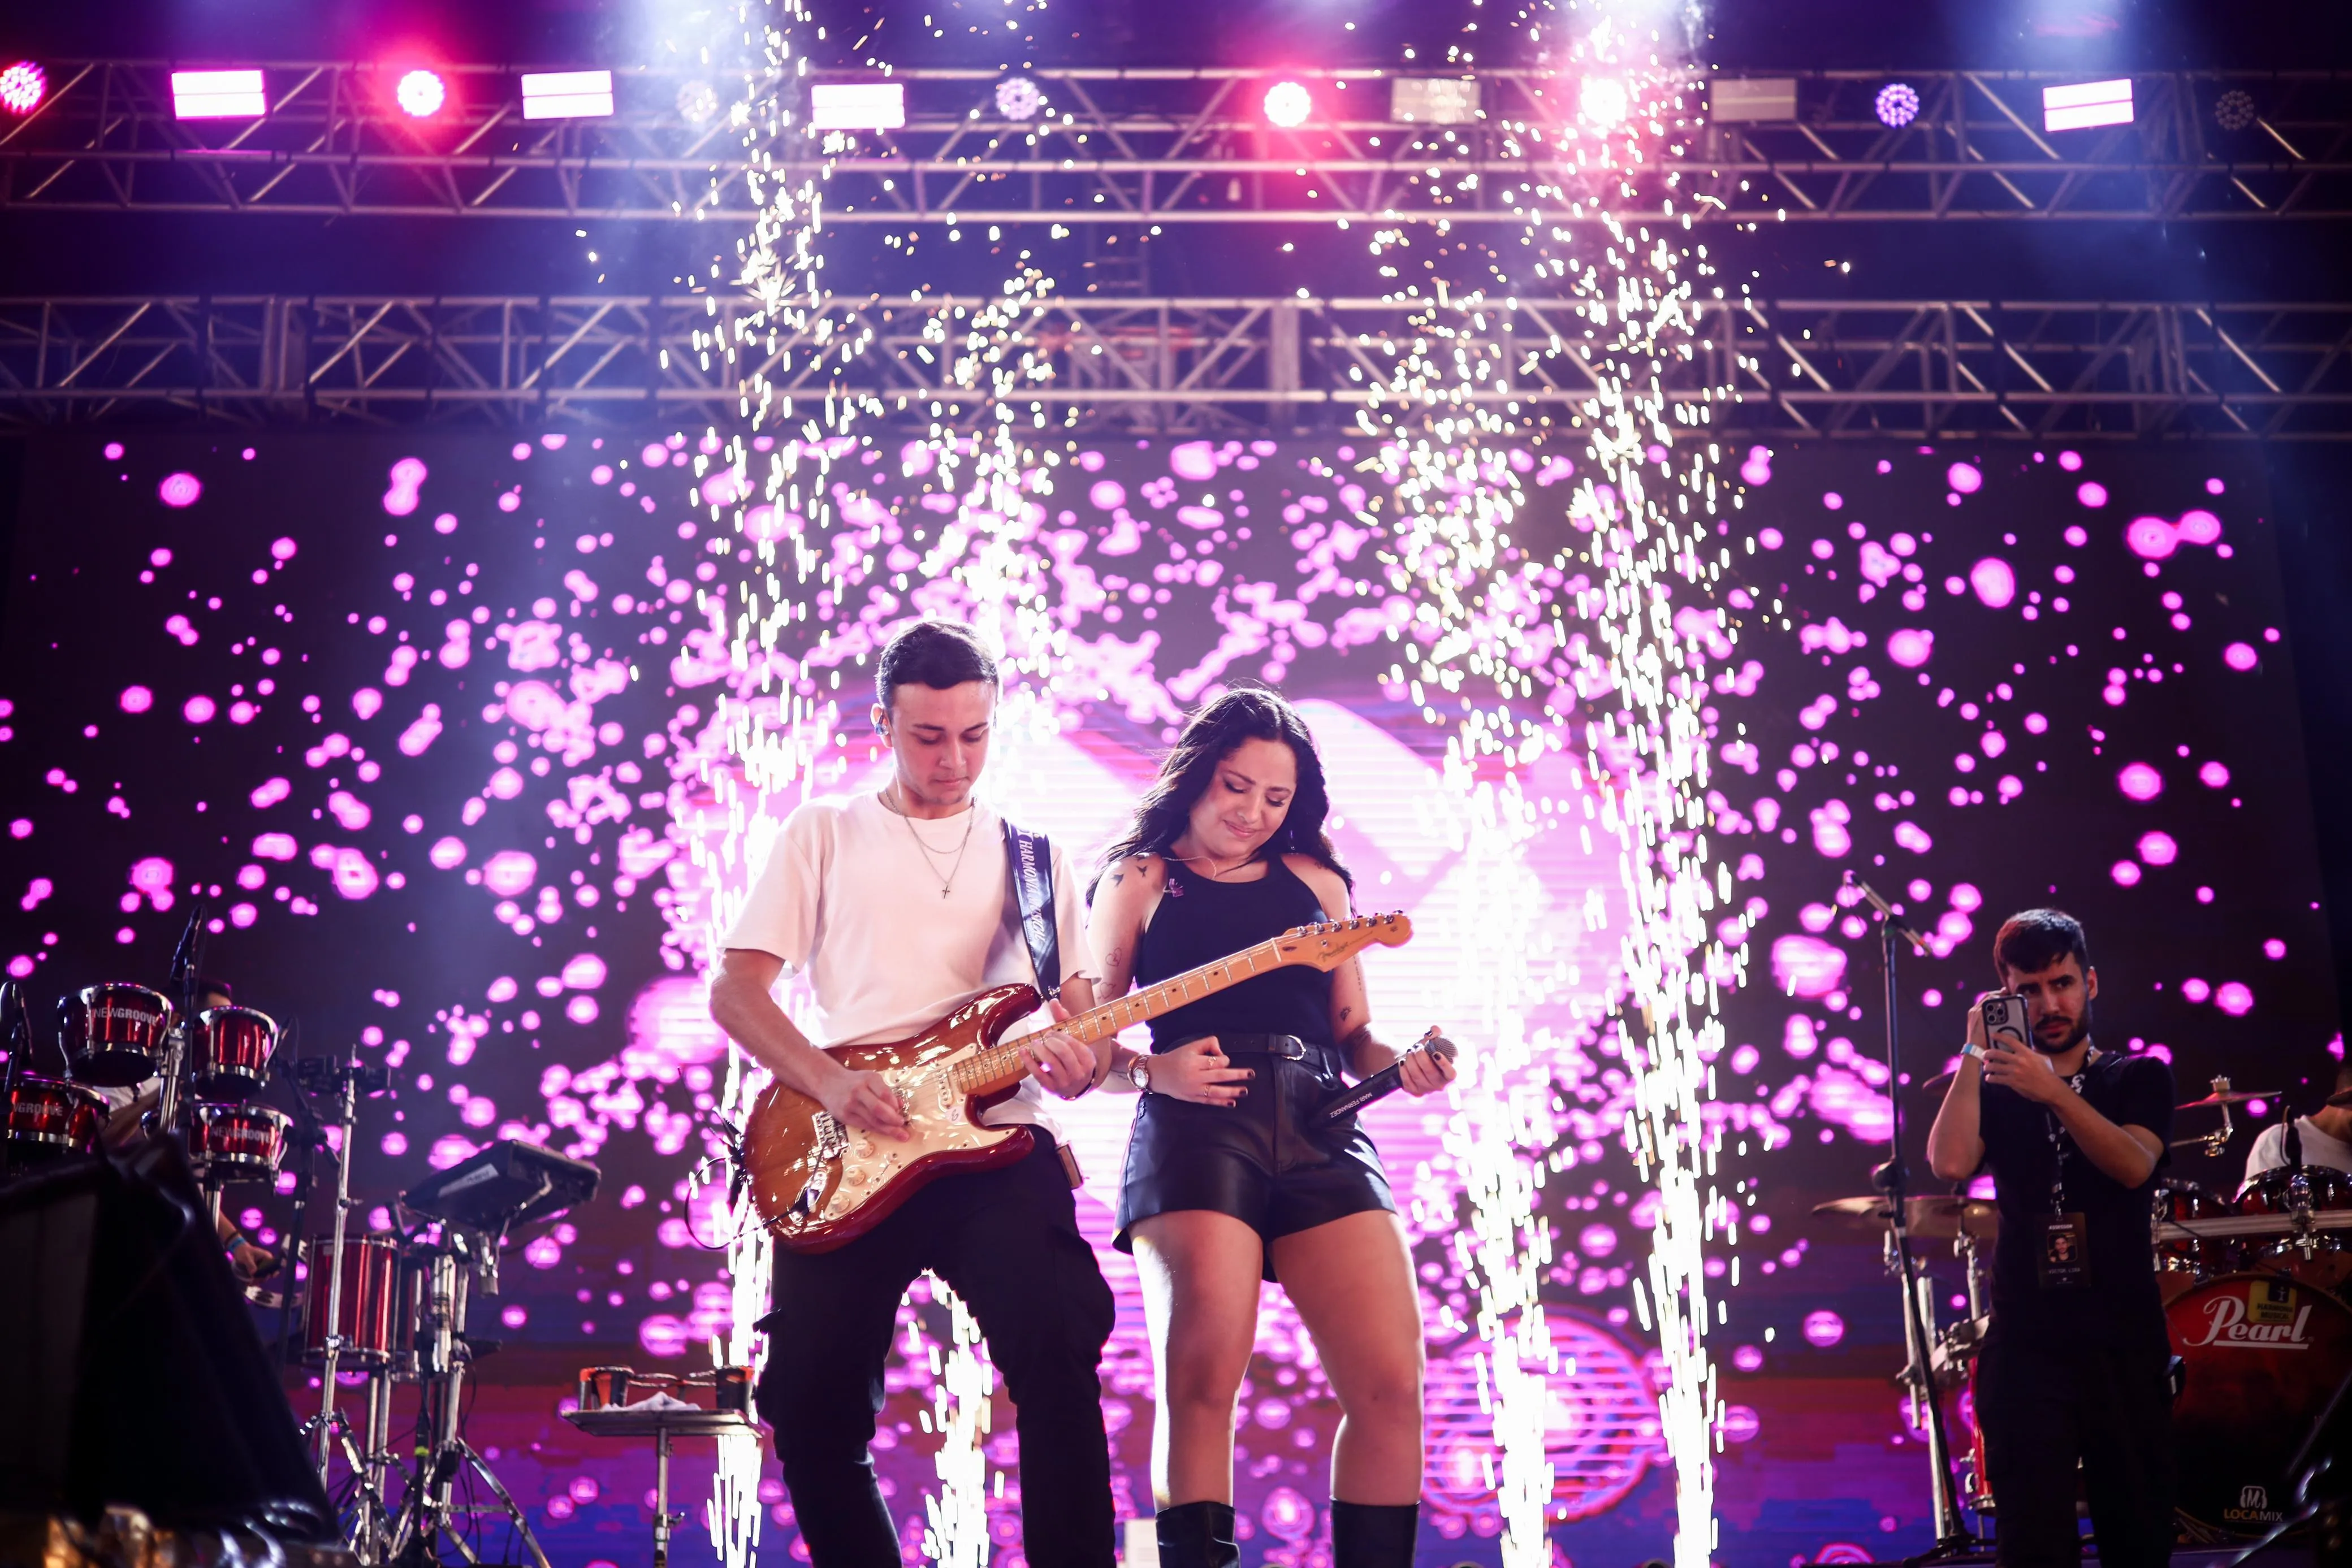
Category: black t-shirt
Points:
column 2121, row 1300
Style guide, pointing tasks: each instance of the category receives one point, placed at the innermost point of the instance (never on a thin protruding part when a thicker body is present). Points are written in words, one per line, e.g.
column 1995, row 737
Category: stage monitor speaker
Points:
column 131, row 1369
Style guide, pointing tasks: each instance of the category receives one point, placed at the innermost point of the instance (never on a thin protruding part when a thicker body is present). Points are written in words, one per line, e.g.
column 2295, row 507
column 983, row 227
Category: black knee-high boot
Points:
column 1373, row 1535
column 1197, row 1535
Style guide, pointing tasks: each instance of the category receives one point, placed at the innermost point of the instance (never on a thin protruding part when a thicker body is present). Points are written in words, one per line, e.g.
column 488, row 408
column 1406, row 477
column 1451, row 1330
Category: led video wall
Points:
column 433, row 728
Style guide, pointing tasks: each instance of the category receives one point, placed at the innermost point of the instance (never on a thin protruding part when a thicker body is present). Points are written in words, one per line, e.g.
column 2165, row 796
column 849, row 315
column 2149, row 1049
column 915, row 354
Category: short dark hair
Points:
column 2032, row 939
column 934, row 654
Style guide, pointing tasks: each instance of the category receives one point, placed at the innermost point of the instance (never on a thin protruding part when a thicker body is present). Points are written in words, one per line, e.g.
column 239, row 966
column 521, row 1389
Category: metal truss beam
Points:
column 1168, row 147
column 1839, row 369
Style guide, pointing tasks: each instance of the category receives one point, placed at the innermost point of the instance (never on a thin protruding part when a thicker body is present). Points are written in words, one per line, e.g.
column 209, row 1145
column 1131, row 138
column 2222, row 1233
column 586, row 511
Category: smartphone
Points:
column 2005, row 1014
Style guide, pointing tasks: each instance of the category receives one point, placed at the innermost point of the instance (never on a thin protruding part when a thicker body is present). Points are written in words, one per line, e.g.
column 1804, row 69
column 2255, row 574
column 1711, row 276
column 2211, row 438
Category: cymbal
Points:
column 1930, row 1219
column 2229, row 1097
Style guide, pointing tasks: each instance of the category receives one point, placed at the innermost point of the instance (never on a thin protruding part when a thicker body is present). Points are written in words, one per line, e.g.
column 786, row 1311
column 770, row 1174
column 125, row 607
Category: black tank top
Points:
column 1200, row 920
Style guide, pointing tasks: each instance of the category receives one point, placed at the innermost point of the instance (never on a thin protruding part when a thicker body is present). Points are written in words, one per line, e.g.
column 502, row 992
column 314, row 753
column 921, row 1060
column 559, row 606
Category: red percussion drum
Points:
column 50, row 1119
column 237, row 1143
column 2325, row 1258
column 230, row 1059
column 114, row 1034
column 2184, row 1204
column 371, row 1292
column 2263, row 1354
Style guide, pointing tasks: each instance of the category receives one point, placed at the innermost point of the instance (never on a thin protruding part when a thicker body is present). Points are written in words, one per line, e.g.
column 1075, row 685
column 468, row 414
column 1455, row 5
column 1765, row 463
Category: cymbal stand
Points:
column 347, row 1088
column 1953, row 1537
column 443, row 1354
column 2214, row 1142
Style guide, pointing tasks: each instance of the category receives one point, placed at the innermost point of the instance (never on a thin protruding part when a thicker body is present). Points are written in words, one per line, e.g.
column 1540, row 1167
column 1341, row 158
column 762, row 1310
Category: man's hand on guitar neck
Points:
column 1058, row 1061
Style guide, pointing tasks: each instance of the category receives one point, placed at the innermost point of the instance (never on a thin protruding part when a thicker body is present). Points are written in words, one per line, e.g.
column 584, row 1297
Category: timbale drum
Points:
column 114, row 1034
column 50, row 1118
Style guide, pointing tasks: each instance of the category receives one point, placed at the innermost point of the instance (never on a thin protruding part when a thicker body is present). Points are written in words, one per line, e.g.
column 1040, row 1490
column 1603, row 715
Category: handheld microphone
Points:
column 1383, row 1082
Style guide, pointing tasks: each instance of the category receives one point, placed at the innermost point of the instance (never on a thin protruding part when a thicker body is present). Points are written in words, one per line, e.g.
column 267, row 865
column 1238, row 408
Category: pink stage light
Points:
column 1288, row 104
column 218, row 95
column 2083, row 104
column 22, row 87
column 421, row 93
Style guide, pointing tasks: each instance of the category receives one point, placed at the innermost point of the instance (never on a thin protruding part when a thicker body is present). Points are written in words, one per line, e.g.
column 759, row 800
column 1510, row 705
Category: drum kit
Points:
column 2256, row 1307
column 388, row 1306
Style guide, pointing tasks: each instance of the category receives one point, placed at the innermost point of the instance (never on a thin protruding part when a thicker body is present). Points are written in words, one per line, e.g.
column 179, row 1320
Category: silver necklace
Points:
column 948, row 881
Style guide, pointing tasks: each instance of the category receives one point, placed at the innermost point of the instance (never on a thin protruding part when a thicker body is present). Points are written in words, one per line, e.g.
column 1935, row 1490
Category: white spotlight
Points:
column 1019, row 99
column 567, row 94
column 857, row 106
column 2085, row 104
column 1288, row 104
column 1604, row 103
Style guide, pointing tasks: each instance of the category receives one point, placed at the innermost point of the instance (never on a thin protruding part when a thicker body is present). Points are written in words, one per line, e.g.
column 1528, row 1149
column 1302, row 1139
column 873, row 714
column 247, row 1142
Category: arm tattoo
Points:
column 1119, row 876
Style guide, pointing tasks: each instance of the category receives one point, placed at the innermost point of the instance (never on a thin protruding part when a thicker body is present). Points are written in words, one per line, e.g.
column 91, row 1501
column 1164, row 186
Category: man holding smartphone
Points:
column 2075, row 1365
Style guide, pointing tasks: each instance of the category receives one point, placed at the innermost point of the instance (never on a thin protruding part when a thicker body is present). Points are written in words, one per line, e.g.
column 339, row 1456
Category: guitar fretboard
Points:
column 1002, row 1066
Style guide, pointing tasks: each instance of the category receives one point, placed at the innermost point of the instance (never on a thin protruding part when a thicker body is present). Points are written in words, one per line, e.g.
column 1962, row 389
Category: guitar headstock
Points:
column 1329, row 944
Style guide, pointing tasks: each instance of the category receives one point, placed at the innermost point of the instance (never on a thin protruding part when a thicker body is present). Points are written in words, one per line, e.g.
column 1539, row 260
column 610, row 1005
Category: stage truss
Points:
column 1802, row 368
column 1168, row 147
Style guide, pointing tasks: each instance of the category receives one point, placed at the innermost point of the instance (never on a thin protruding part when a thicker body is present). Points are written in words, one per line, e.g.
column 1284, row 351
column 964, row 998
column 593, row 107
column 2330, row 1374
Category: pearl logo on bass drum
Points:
column 2265, row 1318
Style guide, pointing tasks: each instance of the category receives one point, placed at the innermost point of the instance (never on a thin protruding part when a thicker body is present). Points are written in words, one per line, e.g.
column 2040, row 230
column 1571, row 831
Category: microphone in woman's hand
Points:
column 1385, row 1082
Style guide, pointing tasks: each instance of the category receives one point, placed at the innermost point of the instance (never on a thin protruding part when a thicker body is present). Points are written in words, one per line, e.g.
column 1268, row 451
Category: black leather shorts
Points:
column 1264, row 1161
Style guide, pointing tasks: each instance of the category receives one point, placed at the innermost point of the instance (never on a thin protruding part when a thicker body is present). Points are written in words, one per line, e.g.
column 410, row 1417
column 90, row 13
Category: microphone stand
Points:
column 1953, row 1538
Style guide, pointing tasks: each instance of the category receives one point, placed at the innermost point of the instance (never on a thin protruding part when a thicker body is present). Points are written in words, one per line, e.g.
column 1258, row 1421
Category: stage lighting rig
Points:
column 1433, row 100
column 1288, row 104
column 567, row 94
column 1897, row 105
column 697, row 102
column 420, row 93
column 2082, row 105
column 2235, row 109
column 857, row 106
column 1019, row 99
column 218, row 95
column 22, row 87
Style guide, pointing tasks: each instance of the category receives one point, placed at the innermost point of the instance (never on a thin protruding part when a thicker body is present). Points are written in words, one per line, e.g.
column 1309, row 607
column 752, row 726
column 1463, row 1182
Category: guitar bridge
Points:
column 832, row 1142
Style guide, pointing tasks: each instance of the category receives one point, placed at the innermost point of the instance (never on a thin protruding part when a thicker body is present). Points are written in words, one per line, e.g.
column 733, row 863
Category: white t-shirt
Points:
column 848, row 899
column 2318, row 1149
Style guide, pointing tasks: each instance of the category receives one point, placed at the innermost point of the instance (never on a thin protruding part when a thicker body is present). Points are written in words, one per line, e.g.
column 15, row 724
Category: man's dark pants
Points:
column 2040, row 1408
column 1007, row 1240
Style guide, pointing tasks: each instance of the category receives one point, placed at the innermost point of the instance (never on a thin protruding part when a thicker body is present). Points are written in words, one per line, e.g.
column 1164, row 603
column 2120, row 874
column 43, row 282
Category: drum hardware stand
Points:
column 1954, row 1540
column 2214, row 1142
column 186, row 958
column 459, row 1258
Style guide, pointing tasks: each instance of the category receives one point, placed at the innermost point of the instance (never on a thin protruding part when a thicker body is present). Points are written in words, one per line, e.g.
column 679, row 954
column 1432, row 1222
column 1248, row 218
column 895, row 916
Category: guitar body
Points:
column 818, row 1184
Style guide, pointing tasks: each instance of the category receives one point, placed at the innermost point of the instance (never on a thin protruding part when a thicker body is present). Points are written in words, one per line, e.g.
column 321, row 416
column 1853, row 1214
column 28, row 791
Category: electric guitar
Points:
column 817, row 1184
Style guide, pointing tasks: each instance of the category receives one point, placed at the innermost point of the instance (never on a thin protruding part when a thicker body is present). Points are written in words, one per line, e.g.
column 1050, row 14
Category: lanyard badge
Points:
column 2064, row 1257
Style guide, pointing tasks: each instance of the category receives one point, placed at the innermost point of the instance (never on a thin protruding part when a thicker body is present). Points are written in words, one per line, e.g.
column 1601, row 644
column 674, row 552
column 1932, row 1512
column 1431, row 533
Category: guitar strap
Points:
column 1029, row 899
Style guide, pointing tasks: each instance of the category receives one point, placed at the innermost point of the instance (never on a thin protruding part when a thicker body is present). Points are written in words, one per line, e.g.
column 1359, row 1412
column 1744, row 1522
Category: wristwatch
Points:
column 1138, row 1072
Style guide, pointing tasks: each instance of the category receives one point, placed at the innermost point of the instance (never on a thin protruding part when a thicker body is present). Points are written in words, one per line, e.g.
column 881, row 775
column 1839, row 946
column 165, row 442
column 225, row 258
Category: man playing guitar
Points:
column 894, row 906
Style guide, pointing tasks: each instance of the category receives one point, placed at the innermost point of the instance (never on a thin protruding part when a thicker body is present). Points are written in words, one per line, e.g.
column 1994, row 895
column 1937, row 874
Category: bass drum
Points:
column 2263, row 1354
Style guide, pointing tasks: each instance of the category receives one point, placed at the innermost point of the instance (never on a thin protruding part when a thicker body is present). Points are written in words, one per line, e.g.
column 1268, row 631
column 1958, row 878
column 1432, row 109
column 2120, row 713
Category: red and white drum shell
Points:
column 237, row 1143
column 2263, row 1354
column 50, row 1118
column 114, row 1034
column 371, row 1293
column 232, row 1046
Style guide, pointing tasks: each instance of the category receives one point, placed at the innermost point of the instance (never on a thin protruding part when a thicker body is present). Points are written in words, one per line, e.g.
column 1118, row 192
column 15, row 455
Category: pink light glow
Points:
column 1994, row 582
column 2091, row 493
column 2158, row 849
column 179, row 489
column 421, row 93
column 1823, row 1328
column 199, row 709
column 1965, row 477
column 1806, row 966
column 22, row 87
column 509, row 872
column 2138, row 781
column 2241, row 656
column 2125, row 872
column 407, row 479
column 1910, row 647
column 2198, row 528
column 137, row 699
column 2151, row 538
column 2234, row 999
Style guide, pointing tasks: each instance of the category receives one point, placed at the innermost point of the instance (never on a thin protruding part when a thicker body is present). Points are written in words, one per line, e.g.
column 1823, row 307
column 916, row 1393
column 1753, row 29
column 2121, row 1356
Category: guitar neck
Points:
column 1002, row 1066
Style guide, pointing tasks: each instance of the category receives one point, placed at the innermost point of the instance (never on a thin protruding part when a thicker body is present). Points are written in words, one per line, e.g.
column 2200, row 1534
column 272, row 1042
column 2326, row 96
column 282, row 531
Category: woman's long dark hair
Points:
column 1245, row 713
